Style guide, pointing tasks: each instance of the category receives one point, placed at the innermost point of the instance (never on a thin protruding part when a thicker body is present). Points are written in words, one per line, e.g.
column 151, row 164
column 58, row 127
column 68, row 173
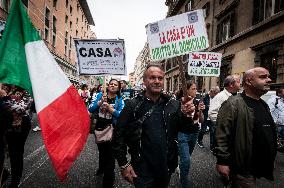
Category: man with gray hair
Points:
column 231, row 86
column 246, row 135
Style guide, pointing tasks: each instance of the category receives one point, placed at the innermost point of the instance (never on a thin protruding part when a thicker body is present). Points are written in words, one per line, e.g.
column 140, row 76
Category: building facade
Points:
column 141, row 63
column 247, row 33
column 58, row 23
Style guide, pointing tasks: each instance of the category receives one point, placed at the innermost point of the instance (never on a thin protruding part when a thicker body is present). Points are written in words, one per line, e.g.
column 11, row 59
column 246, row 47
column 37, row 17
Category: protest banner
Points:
column 100, row 57
column 204, row 63
column 177, row 35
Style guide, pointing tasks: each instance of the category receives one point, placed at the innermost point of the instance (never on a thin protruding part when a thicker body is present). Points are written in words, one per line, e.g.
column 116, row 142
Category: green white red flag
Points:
column 25, row 61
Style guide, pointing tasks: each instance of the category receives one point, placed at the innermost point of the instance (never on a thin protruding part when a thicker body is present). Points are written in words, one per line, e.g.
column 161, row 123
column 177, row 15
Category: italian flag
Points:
column 25, row 61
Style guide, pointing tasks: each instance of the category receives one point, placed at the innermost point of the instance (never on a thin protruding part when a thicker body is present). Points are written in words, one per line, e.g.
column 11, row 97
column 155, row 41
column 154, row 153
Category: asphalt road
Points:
column 38, row 170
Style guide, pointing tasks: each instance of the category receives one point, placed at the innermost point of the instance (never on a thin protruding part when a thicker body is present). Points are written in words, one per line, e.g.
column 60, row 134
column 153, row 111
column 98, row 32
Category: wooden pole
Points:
column 104, row 87
column 183, row 79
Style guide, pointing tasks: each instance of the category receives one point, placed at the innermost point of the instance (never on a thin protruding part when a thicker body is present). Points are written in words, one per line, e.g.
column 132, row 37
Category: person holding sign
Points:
column 148, row 126
column 109, row 107
column 187, row 135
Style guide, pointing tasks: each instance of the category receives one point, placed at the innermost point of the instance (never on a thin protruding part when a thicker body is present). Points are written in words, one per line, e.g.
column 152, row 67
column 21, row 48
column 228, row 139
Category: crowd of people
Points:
column 154, row 132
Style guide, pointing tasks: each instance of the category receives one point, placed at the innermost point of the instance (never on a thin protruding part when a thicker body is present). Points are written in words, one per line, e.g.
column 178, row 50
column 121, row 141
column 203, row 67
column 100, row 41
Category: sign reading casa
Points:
column 100, row 57
column 204, row 63
column 177, row 35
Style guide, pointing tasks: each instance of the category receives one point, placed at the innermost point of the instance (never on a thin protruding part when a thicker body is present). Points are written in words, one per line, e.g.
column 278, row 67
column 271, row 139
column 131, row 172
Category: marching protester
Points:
column 188, row 134
column 94, row 92
column 84, row 93
column 109, row 108
column 126, row 93
column 18, row 105
column 246, row 135
column 232, row 85
column 148, row 126
column 276, row 105
column 207, row 122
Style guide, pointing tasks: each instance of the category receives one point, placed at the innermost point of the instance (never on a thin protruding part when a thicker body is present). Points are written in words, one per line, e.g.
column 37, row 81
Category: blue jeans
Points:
column 211, row 126
column 186, row 144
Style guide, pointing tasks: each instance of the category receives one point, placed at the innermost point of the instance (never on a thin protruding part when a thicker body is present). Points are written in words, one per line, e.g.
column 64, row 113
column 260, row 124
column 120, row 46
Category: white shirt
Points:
column 277, row 111
column 216, row 103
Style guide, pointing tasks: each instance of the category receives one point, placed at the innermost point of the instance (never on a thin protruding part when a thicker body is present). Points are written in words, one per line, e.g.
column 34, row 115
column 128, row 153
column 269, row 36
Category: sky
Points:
column 126, row 19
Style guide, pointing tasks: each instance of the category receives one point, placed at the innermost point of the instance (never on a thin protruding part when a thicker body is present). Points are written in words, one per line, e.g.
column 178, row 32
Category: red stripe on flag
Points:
column 65, row 127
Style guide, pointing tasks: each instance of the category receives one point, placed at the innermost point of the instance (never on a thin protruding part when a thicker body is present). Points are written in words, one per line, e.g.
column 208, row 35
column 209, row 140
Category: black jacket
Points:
column 128, row 131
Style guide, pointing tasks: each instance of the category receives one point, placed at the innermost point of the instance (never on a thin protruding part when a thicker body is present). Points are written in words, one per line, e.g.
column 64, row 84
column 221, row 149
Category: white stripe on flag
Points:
column 48, row 80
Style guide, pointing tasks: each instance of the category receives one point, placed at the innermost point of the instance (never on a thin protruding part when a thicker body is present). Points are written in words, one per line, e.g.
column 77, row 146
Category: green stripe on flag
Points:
column 19, row 30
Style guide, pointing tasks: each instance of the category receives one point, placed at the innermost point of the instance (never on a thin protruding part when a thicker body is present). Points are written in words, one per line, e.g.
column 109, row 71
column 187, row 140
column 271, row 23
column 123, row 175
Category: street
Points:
column 38, row 170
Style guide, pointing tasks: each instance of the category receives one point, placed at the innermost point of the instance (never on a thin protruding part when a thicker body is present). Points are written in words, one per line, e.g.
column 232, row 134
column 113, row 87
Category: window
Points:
column 168, row 65
column 53, row 40
column 76, row 33
column 26, row 3
column 77, row 20
column 189, row 6
column 266, row 8
column 71, row 26
column 54, row 3
column 269, row 61
column 54, row 21
column 66, row 38
column 66, row 21
column 225, row 28
column 67, row 3
column 66, row 42
column 47, row 12
column 71, row 9
column 77, row 7
column 70, row 42
column 206, row 9
column 46, row 33
column 4, row 4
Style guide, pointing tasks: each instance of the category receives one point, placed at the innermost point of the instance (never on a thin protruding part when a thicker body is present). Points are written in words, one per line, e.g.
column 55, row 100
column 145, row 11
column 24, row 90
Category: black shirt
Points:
column 263, row 143
column 153, row 141
column 105, row 118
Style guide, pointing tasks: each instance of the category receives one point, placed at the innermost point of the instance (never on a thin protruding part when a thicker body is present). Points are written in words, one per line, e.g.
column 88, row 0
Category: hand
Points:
column 223, row 170
column 128, row 174
column 187, row 107
column 110, row 108
column 104, row 98
column 201, row 106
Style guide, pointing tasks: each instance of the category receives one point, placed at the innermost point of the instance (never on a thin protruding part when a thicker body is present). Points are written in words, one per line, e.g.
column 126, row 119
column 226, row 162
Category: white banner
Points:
column 204, row 63
column 177, row 35
column 100, row 57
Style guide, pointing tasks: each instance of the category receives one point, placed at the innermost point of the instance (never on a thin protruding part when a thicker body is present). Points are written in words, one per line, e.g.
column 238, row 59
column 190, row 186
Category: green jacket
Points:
column 234, row 134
